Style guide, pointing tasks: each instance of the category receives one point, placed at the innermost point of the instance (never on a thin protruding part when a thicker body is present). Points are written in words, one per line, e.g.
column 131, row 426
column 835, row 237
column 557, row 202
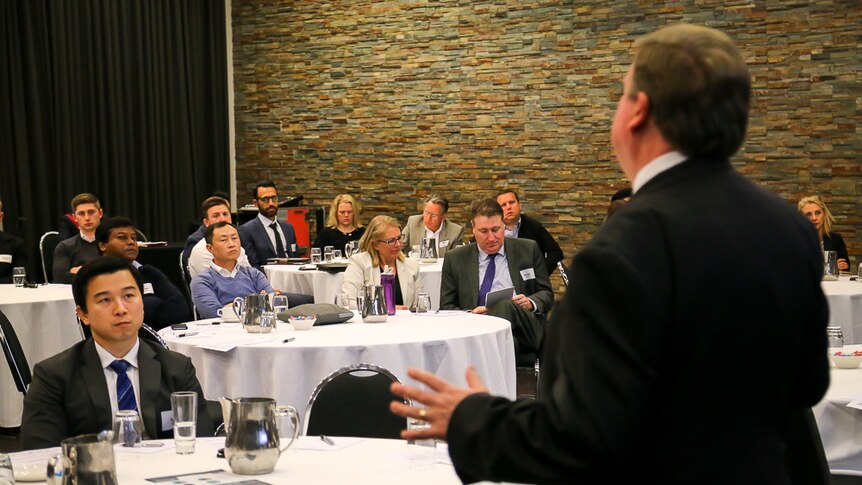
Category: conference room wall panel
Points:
column 393, row 100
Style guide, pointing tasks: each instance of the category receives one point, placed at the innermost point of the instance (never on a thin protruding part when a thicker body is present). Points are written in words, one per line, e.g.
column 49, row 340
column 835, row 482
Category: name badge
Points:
column 167, row 420
column 6, row 258
column 148, row 289
column 444, row 244
column 292, row 247
column 528, row 274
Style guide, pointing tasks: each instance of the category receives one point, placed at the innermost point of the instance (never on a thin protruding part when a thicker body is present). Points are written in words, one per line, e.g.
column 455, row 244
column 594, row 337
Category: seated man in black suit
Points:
column 652, row 366
column 12, row 253
column 264, row 237
column 79, row 390
column 163, row 303
column 72, row 253
column 495, row 262
column 525, row 227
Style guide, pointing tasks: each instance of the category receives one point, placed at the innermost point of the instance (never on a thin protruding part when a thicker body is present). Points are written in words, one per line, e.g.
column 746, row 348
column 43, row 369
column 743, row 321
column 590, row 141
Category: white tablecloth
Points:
column 264, row 366
column 840, row 426
column 845, row 307
column 44, row 321
column 366, row 461
column 324, row 285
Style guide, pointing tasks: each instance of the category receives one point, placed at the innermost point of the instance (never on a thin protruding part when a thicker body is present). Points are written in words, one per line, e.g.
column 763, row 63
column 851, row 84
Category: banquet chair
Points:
column 354, row 401
column 141, row 236
column 47, row 243
column 184, row 271
column 147, row 332
column 14, row 355
column 564, row 273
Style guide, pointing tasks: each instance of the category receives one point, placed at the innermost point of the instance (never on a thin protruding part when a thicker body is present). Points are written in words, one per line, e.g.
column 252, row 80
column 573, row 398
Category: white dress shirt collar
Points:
column 656, row 166
column 266, row 221
column 88, row 239
column 227, row 274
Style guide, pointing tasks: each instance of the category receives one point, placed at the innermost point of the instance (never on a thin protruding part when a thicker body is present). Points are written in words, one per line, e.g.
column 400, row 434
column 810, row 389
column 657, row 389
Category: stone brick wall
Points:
column 393, row 100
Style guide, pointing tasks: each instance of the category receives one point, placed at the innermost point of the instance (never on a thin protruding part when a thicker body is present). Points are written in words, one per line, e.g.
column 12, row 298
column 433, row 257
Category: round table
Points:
column 45, row 323
column 324, row 285
column 262, row 365
column 841, row 426
column 845, row 307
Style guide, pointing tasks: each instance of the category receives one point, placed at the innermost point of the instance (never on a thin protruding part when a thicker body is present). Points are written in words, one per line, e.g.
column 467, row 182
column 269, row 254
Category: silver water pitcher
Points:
column 428, row 251
column 374, row 304
column 252, row 446
column 86, row 459
column 255, row 312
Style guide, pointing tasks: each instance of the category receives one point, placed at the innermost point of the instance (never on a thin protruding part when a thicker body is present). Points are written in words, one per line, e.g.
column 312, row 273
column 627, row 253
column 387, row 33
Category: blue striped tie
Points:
column 125, row 391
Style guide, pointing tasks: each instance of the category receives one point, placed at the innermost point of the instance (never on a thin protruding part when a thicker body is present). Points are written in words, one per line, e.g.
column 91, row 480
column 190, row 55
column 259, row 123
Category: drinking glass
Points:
column 279, row 304
column 315, row 255
column 423, row 303
column 336, row 255
column 327, row 254
column 184, row 406
column 416, row 423
column 127, row 428
column 19, row 275
column 415, row 252
column 342, row 300
column 859, row 273
column 7, row 477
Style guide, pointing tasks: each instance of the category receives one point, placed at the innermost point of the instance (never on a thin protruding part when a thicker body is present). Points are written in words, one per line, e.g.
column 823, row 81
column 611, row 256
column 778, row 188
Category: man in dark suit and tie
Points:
column 79, row 390
column 653, row 364
column 495, row 262
column 264, row 237
column 521, row 226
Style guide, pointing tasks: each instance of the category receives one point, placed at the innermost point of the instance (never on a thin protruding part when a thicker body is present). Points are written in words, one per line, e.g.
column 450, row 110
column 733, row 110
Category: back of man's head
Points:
column 97, row 267
column 486, row 208
column 85, row 198
column 103, row 232
column 698, row 87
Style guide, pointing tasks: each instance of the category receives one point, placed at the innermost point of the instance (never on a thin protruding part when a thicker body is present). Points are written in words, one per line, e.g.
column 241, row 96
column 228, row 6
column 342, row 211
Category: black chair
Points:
column 564, row 272
column 141, row 236
column 47, row 243
column 14, row 355
column 354, row 401
column 147, row 332
column 187, row 289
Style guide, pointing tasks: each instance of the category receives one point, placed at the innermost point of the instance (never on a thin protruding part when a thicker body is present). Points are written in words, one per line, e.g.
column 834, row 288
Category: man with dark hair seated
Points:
column 226, row 279
column 163, row 303
column 79, row 390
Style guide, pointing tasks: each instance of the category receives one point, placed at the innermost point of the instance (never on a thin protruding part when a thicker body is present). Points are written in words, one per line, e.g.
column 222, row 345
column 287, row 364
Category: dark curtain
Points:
column 126, row 99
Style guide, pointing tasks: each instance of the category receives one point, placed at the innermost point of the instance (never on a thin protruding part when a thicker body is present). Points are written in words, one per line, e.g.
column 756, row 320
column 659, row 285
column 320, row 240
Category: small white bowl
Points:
column 846, row 361
column 302, row 323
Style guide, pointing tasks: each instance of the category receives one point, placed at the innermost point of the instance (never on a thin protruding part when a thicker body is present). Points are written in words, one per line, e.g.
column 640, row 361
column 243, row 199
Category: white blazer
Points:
column 360, row 272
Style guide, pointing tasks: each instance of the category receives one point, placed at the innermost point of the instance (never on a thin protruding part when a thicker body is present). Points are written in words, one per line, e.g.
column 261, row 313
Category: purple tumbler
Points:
column 388, row 282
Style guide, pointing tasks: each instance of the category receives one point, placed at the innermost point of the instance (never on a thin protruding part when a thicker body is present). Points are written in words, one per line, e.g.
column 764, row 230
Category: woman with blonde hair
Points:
column 380, row 249
column 342, row 224
column 816, row 211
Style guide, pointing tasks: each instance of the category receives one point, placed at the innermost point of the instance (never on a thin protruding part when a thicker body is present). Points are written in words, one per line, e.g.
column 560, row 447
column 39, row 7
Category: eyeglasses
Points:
column 267, row 200
column 394, row 241
column 433, row 215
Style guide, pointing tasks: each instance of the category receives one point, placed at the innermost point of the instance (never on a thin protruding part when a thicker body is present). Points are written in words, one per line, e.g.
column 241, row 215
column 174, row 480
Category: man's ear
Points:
column 82, row 315
column 640, row 113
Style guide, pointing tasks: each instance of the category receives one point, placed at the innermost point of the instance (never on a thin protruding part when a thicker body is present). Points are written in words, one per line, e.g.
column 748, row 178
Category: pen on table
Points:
column 288, row 340
column 327, row 440
column 187, row 334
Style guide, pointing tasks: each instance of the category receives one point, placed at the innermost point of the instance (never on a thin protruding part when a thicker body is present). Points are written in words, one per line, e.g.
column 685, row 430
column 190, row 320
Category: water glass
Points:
column 19, row 275
column 279, row 304
column 327, row 254
column 342, row 300
column 336, row 255
column 415, row 252
column 127, row 428
column 423, row 303
column 315, row 255
column 7, row 477
column 184, row 406
column 836, row 337
column 416, row 423
column 859, row 273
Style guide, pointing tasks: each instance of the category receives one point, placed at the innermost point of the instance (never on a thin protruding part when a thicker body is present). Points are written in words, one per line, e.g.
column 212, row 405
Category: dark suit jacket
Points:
column 69, row 396
column 834, row 242
column 460, row 286
column 653, row 365
column 11, row 247
column 258, row 248
column 533, row 229
column 165, row 305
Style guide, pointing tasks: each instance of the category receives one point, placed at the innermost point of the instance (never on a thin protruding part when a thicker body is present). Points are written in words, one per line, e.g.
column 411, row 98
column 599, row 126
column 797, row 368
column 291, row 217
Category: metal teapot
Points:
column 86, row 459
column 252, row 446
column 373, row 308
column 255, row 312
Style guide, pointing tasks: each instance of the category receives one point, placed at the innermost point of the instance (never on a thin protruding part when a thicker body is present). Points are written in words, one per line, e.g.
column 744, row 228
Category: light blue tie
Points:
column 125, row 391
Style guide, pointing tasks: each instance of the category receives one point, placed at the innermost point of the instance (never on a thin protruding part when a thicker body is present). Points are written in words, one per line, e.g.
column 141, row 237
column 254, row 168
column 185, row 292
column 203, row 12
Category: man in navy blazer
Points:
column 264, row 237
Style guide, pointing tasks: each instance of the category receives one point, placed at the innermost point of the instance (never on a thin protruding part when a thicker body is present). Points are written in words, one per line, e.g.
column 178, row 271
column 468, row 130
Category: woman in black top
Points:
column 816, row 211
column 342, row 225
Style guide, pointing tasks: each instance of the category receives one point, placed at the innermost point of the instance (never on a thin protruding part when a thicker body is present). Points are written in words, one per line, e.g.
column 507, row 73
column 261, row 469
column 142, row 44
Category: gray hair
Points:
column 440, row 200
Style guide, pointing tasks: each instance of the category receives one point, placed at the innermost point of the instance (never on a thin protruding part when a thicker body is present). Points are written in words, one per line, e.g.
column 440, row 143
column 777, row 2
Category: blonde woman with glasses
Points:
column 380, row 248
column 816, row 211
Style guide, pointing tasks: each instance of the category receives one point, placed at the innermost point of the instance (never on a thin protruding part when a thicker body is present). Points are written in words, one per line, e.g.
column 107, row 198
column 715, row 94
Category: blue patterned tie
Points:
column 488, row 280
column 125, row 391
